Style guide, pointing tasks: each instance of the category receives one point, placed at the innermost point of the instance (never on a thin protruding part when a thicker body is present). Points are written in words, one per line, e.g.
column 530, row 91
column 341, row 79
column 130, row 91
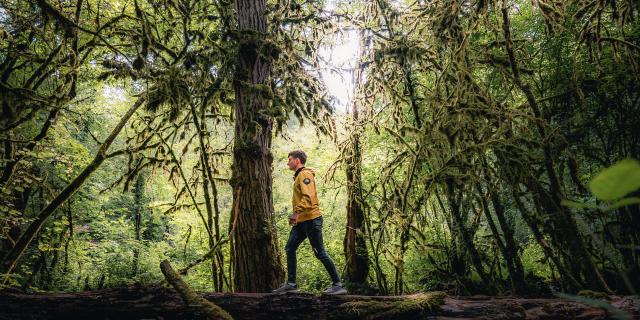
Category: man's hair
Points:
column 299, row 154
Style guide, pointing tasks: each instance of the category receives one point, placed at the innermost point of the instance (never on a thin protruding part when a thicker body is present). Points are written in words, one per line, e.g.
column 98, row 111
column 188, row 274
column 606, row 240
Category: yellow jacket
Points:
column 305, row 197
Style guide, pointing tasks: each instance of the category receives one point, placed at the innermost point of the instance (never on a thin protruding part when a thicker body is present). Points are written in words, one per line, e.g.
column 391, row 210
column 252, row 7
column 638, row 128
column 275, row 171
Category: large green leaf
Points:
column 616, row 181
column 623, row 203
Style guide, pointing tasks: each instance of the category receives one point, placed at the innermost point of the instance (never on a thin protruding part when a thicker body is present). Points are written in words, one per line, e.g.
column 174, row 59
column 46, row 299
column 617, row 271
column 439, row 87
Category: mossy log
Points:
column 209, row 309
column 164, row 303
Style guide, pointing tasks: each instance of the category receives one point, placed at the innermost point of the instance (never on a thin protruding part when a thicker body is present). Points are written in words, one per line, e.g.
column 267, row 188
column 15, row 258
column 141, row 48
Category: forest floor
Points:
column 149, row 302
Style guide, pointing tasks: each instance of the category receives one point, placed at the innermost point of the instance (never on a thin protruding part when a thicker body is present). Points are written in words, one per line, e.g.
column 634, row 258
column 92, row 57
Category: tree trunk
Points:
column 511, row 251
column 457, row 265
column 511, row 259
column 256, row 258
column 207, row 178
column 455, row 202
column 65, row 268
column 533, row 222
column 355, row 245
column 138, row 194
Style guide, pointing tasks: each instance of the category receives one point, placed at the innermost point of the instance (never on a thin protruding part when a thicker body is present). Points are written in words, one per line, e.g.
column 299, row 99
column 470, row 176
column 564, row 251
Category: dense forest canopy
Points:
column 488, row 146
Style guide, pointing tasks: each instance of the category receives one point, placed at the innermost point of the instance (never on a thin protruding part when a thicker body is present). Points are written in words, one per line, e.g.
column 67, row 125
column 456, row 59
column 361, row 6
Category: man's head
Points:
column 297, row 159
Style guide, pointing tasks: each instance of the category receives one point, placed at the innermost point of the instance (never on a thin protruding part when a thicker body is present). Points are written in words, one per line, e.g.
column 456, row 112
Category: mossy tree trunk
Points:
column 206, row 309
column 138, row 209
column 255, row 256
column 210, row 197
column 455, row 199
column 355, row 245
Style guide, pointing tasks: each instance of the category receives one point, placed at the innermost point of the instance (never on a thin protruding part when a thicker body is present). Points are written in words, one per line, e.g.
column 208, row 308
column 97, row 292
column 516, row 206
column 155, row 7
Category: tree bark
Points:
column 212, row 216
column 511, row 249
column 512, row 261
column 355, row 245
column 256, row 258
column 160, row 302
column 138, row 194
column 455, row 202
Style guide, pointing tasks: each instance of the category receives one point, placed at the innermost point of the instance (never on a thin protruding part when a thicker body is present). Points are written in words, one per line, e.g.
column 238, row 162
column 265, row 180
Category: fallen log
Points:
column 146, row 302
column 209, row 309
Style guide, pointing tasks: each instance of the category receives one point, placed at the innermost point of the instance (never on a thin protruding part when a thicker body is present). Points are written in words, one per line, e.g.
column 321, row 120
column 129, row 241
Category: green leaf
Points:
column 623, row 203
column 616, row 181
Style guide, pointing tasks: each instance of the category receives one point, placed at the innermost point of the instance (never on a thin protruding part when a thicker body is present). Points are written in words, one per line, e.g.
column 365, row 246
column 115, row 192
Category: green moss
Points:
column 263, row 90
column 593, row 294
column 407, row 307
column 364, row 308
column 423, row 301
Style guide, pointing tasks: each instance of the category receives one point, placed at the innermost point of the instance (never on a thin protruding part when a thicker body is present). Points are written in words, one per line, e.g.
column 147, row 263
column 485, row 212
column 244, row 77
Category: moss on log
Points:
column 153, row 302
column 208, row 309
column 406, row 307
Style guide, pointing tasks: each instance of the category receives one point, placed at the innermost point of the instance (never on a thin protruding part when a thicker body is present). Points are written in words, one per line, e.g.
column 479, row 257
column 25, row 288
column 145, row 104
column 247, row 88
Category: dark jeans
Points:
column 311, row 229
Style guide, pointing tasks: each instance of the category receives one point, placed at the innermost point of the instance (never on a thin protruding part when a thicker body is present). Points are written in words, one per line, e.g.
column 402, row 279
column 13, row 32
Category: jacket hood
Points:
column 309, row 170
column 312, row 171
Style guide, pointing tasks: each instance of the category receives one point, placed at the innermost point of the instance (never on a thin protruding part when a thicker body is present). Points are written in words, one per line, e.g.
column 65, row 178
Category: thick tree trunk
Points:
column 256, row 259
column 355, row 246
column 529, row 218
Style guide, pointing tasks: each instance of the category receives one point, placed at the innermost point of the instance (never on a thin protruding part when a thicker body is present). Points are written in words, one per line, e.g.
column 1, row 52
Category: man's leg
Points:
column 314, row 232
column 296, row 236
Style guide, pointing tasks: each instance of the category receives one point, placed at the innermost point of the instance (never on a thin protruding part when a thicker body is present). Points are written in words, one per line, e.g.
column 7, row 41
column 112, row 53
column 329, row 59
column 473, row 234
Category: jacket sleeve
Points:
column 307, row 185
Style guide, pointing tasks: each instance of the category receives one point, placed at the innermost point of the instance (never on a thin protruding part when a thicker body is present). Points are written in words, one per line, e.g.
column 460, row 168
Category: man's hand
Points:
column 293, row 219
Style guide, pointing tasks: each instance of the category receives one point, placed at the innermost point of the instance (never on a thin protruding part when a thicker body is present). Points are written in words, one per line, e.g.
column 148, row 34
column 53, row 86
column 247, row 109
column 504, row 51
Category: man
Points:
column 306, row 222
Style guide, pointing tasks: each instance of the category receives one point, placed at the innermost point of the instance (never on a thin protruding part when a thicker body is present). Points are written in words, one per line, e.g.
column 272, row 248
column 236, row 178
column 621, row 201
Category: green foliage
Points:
column 456, row 132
